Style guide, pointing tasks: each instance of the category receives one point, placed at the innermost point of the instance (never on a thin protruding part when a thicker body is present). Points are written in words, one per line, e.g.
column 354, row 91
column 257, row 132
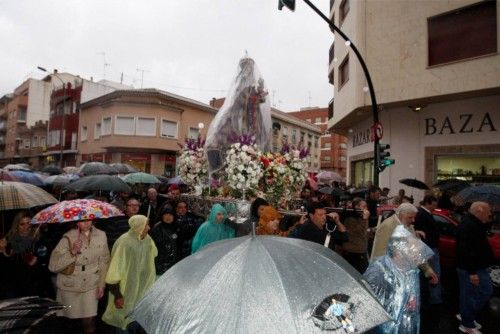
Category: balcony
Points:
column 3, row 126
column 331, row 53
column 22, row 115
column 22, row 101
column 330, row 109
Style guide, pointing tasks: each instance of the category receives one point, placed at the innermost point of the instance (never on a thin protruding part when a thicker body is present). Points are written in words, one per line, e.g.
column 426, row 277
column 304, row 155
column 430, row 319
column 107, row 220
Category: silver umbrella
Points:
column 260, row 285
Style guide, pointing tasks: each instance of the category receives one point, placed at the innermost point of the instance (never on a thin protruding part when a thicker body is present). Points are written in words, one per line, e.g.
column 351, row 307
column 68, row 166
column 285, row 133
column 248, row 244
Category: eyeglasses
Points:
column 132, row 204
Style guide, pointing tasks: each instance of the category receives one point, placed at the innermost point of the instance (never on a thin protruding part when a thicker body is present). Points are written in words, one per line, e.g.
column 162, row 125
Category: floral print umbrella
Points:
column 76, row 210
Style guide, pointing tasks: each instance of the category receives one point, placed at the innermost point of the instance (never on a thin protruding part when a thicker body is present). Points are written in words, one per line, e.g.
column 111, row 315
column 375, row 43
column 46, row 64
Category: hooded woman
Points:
column 131, row 272
column 394, row 278
column 213, row 229
column 269, row 221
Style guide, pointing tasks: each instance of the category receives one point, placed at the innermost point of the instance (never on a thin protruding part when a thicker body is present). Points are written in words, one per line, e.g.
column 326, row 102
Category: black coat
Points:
column 192, row 222
column 473, row 250
column 424, row 221
column 169, row 239
column 309, row 231
column 114, row 228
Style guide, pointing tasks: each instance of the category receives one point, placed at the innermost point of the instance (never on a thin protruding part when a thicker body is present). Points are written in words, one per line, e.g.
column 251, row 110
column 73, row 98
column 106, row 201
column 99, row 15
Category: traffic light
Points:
column 290, row 4
column 383, row 157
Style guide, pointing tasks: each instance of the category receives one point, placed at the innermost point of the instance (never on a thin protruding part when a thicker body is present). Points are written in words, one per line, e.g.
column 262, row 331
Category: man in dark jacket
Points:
column 474, row 256
column 322, row 228
column 150, row 207
column 189, row 219
column 424, row 222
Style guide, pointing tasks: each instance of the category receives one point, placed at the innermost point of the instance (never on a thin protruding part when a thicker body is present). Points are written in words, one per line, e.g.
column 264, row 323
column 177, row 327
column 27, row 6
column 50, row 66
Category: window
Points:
column 294, row 136
column 308, row 120
column 35, row 142
column 327, row 158
column 106, row 126
column 463, row 33
column 318, row 120
column 73, row 140
column 343, row 145
column 21, row 115
column 285, row 131
column 343, row 9
column 43, row 141
column 125, row 125
column 146, row 126
column 97, row 131
column 327, row 145
column 168, row 129
column 26, row 143
column 343, row 158
column 83, row 136
column 193, row 132
column 302, row 135
column 316, row 140
column 344, row 72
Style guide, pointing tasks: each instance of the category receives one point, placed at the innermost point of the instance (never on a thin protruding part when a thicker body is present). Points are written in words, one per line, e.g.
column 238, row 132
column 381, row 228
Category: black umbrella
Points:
column 124, row 168
column 337, row 192
column 20, row 314
column 451, row 185
column 488, row 194
column 359, row 192
column 99, row 183
column 96, row 168
column 414, row 183
column 51, row 170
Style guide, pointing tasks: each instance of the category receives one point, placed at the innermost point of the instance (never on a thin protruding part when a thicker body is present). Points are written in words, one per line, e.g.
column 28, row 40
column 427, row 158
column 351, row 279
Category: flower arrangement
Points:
column 243, row 169
column 193, row 165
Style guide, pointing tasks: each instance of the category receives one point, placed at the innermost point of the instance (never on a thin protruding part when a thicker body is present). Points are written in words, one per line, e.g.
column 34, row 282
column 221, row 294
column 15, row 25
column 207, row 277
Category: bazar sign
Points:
column 362, row 137
column 465, row 123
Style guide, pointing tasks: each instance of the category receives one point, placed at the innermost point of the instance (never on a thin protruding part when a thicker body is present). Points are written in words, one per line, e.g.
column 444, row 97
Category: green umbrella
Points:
column 140, row 177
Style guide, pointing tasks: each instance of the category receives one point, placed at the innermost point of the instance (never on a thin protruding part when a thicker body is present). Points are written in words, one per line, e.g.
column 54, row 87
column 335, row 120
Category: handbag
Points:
column 70, row 269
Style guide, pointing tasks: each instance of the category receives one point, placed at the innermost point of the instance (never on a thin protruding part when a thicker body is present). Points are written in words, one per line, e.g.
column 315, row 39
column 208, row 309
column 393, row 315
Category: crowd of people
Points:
column 102, row 269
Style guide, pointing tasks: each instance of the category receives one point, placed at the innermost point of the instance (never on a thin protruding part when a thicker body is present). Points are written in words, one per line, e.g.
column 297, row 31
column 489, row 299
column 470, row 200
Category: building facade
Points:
column 144, row 128
column 333, row 155
column 293, row 130
column 438, row 89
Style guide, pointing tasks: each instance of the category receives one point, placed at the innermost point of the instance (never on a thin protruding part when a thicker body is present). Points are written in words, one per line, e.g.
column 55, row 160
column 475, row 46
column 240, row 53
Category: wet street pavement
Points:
column 443, row 319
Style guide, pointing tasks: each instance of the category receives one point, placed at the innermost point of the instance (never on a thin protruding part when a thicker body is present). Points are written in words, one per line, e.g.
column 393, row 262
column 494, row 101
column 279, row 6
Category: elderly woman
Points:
column 81, row 260
column 269, row 221
column 213, row 229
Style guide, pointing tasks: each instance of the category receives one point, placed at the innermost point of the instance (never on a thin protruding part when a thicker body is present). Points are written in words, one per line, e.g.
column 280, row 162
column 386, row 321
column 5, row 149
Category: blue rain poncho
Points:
column 394, row 278
column 211, row 231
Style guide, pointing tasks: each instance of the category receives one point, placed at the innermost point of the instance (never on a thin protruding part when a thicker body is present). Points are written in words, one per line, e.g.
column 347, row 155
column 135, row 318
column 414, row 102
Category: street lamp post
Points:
column 61, row 136
column 376, row 124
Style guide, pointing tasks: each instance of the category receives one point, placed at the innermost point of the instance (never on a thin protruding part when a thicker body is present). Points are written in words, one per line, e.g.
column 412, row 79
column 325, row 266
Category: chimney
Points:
column 91, row 79
column 55, row 71
column 212, row 102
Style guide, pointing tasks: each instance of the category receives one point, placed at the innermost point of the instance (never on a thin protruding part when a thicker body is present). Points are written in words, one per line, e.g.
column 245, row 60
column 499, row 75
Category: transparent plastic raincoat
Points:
column 246, row 112
column 394, row 278
column 211, row 231
column 132, row 268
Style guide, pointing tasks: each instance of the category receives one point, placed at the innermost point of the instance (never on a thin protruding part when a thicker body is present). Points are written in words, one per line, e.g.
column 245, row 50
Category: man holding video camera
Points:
column 355, row 249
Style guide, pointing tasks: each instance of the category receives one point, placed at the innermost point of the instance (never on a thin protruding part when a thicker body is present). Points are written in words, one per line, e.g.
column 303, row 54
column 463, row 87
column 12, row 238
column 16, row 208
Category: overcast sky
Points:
column 187, row 47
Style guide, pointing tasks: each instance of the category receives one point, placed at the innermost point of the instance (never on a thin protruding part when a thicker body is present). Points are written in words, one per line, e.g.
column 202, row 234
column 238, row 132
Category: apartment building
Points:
column 438, row 88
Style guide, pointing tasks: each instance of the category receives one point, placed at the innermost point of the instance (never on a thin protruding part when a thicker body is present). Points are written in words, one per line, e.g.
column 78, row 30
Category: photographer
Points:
column 321, row 228
column 355, row 249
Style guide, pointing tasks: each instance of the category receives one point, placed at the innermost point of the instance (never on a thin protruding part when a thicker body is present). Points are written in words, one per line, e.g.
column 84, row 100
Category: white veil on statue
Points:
column 246, row 112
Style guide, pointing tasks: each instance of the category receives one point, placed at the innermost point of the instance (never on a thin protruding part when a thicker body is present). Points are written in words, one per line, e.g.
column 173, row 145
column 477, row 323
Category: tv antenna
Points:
column 142, row 74
column 103, row 54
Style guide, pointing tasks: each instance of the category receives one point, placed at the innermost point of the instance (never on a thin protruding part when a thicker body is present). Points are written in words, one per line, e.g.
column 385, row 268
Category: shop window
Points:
column 83, row 135
column 343, row 10
column 362, row 172
column 106, row 126
column 97, row 131
column 344, row 72
column 125, row 125
column 463, row 33
column 168, row 129
column 475, row 169
column 145, row 126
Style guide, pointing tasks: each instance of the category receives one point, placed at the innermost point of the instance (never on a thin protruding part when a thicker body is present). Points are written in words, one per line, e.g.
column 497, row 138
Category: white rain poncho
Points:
column 394, row 278
column 246, row 112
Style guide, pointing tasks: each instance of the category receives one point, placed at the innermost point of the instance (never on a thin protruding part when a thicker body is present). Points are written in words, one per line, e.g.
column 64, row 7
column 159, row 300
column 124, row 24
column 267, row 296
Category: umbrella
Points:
column 17, row 167
column 59, row 180
column 124, row 168
column 414, row 183
column 358, row 192
column 76, row 210
column 6, row 175
column 337, row 192
column 451, row 185
column 95, row 168
column 163, row 179
column 70, row 169
column 257, row 285
column 176, row 180
column 489, row 194
column 20, row 314
column 329, row 176
column 140, row 177
column 28, row 177
column 312, row 183
column 18, row 195
column 99, row 183
column 51, row 170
